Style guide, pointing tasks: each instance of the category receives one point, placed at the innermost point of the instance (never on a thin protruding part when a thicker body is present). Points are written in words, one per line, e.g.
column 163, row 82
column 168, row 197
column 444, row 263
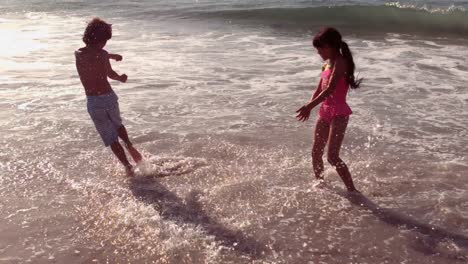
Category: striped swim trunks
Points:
column 105, row 113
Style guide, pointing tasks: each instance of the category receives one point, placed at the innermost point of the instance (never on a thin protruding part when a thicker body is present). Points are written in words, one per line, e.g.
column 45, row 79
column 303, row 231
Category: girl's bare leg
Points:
column 336, row 136
column 320, row 140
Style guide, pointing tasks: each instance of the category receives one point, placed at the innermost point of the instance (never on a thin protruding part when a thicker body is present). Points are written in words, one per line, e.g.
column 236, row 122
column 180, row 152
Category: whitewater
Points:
column 210, row 101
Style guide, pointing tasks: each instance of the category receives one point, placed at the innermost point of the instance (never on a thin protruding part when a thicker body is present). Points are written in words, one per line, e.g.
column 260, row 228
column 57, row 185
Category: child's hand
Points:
column 123, row 78
column 117, row 57
column 303, row 113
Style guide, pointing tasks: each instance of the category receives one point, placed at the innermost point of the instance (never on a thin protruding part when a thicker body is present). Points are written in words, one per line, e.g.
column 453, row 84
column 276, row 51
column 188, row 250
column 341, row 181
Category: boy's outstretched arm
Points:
column 116, row 57
column 111, row 73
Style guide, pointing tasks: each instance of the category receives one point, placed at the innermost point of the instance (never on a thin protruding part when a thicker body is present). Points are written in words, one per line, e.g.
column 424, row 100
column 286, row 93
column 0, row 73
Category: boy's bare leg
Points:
column 133, row 152
column 337, row 133
column 120, row 153
column 124, row 135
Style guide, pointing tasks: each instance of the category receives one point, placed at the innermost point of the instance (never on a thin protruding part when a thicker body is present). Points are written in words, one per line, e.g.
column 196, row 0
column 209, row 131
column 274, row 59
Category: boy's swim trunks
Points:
column 105, row 113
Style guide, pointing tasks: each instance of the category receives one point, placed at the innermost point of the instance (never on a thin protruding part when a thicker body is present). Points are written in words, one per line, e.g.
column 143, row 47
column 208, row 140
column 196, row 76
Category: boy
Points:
column 92, row 63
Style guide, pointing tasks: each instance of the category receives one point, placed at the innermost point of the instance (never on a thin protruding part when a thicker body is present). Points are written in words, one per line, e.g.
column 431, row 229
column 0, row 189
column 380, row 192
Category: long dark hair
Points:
column 329, row 36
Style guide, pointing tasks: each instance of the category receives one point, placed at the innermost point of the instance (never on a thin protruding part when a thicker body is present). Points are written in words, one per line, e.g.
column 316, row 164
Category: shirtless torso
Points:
column 93, row 68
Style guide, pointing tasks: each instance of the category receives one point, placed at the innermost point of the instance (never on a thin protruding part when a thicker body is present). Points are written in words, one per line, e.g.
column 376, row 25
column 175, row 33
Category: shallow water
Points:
column 210, row 102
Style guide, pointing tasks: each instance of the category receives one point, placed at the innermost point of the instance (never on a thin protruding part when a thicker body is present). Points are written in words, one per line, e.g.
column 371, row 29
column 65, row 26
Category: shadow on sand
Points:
column 429, row 244
column 190, row 211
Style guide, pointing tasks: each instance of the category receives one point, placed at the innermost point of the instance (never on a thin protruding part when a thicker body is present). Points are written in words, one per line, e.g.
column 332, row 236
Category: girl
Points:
column 337, row 77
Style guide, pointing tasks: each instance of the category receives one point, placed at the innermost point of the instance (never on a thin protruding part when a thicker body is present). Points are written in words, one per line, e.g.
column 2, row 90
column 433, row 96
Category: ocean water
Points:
column 210, row 101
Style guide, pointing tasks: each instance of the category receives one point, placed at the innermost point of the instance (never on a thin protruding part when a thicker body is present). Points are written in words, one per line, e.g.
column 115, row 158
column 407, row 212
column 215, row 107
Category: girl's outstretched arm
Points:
column 304, row 112
column 338, row 72
column 317, row 91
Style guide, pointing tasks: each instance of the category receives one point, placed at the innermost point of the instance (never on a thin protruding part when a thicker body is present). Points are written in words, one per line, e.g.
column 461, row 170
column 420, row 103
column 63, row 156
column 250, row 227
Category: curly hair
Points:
column 97, row 31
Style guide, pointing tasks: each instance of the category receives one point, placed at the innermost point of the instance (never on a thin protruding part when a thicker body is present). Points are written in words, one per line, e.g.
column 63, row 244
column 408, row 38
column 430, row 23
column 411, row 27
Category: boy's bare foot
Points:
column 134, row 153
column 129, row 171
column 354, row 191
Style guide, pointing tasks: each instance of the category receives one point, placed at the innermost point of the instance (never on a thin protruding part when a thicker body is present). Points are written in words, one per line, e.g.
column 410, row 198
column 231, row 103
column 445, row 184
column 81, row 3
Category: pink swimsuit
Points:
column 335, row 104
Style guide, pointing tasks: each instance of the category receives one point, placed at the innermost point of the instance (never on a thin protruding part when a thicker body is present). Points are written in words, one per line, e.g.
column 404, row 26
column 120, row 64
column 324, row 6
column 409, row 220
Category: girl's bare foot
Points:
column 319, row 183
